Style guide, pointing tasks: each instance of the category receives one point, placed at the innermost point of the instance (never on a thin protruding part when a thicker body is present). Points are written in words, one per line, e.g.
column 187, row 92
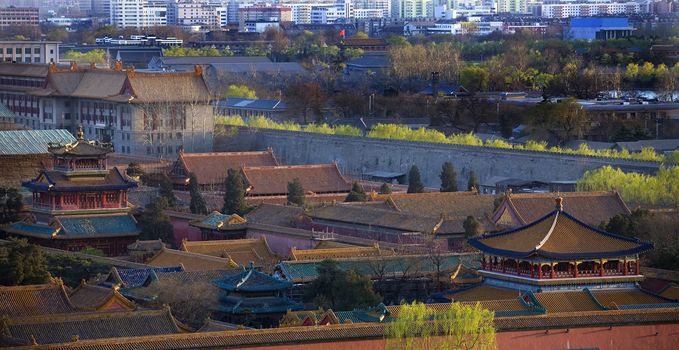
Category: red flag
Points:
column 341, row 33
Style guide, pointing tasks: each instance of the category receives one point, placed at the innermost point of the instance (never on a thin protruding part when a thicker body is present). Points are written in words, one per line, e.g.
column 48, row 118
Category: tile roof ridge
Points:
column 508, row 201
column 294, row 166
column 212, row 154
column 82, row 316
column 549, row 233
column 186, row 254
column 221, row 242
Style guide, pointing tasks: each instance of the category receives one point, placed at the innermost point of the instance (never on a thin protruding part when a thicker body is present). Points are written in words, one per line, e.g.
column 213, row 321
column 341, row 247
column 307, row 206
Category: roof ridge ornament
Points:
column 81, row 133
column 559, row 203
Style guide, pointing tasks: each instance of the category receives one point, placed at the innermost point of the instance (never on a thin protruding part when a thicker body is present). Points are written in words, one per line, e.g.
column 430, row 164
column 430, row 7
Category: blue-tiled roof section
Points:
column 396, row 266
column 31, row 229
column 257, row 305
column 103, row 226
column 599, row 22
column 214, row 219
column 251, row 280
column 132, row 278
column 31, row 141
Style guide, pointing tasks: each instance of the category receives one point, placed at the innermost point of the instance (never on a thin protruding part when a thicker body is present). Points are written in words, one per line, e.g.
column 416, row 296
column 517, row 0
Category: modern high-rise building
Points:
column 189, row 12
column 415, row 8
column 13, row 16
column 138, row 13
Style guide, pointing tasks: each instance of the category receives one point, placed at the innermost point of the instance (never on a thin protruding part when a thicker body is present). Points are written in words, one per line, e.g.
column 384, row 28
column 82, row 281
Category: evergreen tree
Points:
column 448, row 178
column 296, row 193
column 341, row 290
column 473, row 182
column 155, row 223
column 11, row 203
column 197, row 205
column 472, row 226
column 166, row 190
column 234, row 194
column 22, row 263
column 357, row 193
column 414, row 182
column 385, row 188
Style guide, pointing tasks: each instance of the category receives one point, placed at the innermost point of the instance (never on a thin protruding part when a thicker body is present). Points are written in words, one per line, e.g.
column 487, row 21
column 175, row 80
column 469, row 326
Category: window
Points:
column 37, row 60
column 9, row 50
column 2, row 51
column 51, row 52
column 36, row 51
column 27, row 50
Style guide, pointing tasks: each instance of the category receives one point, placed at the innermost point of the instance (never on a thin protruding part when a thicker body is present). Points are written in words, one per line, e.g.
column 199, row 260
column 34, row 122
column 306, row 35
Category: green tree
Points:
column 167, row 190
column 419, row 327
column 341, row 290
column 154, row 222
column 357, row 193
column 627, row 224
column 22, row 263
column 360, row 35
column 472, row 226
column 93, row 56
column 234, row 193
column 414, row 181
column 11, row 203
column 385, row 188
column 240, row 91
column 475, row 78
column 296, row 193
column 197, row 204
column 473, row 183
column 448, row 178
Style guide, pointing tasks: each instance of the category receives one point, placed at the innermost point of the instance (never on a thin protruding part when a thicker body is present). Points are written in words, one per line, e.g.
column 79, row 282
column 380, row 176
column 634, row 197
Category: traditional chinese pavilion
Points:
column 558, row 251
column 80, row 202
column 254, row 298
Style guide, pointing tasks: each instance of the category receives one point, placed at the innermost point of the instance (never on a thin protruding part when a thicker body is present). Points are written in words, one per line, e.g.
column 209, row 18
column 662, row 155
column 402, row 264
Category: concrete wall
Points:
column 358, row 155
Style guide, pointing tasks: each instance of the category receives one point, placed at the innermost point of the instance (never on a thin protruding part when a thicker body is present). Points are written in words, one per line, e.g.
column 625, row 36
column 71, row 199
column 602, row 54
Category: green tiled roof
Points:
column 257, row 305
column 31, row 141
column 77, row 227
column 305, row 271
column 31, row 229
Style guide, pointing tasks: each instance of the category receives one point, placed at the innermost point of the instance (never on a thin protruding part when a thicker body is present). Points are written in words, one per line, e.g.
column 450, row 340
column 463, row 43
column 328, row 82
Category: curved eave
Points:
column 643, row 247
column 44, row 187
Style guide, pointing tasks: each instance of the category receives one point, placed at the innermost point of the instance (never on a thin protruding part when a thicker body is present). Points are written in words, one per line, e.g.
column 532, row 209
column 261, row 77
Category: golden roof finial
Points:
column 81, row 133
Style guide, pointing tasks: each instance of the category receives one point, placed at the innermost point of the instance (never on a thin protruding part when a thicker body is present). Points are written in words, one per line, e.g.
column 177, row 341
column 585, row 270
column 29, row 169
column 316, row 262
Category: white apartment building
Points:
column 368, row 13
column 29, row 51
column 512, row 6
column 592, row 8
column 327, row 14
column 138, row 13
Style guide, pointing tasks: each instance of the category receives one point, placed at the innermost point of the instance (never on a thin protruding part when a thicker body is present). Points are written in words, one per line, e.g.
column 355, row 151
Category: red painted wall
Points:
column 603, row 338
column 181, row 230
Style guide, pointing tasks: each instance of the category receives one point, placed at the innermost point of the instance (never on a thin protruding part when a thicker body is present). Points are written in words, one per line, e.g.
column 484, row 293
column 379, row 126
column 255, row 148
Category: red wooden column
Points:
column 624, row 267
column 575, row 266
column 551, row 271
column 637, row 266
column 502, row 262
column 539, row 271
column 517, row 266
column 532, row 270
